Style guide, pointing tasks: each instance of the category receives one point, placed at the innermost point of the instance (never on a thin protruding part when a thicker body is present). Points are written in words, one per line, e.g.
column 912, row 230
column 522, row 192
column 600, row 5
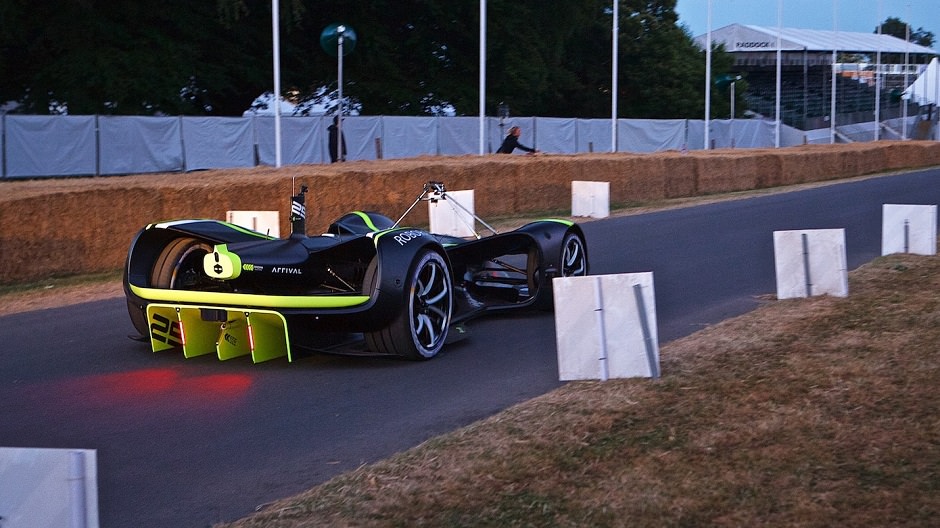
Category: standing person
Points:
column 511, row 142
column 336, row 137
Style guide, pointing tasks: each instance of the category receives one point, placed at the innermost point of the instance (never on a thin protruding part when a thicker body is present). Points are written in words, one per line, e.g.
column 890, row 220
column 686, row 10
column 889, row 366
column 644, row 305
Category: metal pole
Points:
column 651, row 358
column 832, row 101
column 275, row 26
column 878, row 80
column 599, row 314
column 339, row 80
column 808, row 281
column 482, row 75
column 77, row 494
column 907, row 60
column 615, row 31
column 708, row 74
column 779, row 60
column 733, row 82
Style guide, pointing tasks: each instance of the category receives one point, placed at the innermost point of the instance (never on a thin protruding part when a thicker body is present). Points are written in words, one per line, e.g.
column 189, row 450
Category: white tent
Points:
column 926, row 89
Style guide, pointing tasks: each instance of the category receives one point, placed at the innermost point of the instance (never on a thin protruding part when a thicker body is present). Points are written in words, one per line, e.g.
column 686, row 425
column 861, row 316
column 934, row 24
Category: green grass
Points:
column 812, row 412
column 60, row 282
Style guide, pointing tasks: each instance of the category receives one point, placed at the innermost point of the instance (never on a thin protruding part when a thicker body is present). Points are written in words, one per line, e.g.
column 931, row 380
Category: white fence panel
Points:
column 137, row 144
column 38, row 146
column 408, row 137
column 303, row 139
column 218, row 142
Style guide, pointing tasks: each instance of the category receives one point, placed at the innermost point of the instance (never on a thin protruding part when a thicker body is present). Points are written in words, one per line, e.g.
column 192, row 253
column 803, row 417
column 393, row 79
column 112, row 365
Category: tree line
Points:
column 178, row 57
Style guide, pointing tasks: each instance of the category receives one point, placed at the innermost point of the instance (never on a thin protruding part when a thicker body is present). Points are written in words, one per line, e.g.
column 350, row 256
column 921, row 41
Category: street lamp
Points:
column 338, row 40
column 733, row 82
column 729, row 80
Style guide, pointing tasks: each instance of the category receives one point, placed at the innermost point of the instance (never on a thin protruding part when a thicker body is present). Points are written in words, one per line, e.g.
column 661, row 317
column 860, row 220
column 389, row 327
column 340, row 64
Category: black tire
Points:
column 179, row 266
column 420, row 329
column 573, row 261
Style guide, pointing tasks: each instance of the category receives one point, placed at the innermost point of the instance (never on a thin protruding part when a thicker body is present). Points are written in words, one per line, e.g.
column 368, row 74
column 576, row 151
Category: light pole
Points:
column 340, row 37
column 733, row 81
column 338, row 40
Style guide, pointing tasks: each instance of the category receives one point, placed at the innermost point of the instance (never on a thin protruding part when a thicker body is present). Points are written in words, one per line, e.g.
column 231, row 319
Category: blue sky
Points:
column 850, row 15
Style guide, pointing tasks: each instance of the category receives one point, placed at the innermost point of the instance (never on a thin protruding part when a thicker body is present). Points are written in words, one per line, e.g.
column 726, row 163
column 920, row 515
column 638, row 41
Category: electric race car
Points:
column 206, row 286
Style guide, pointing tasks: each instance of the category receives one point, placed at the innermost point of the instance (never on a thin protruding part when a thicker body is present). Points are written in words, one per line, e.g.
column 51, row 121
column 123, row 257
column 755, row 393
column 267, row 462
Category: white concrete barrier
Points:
column 605, row 326
column 453, row 215
column 48, row 488
column 810, row 262
column 909, row 229
column 590, row 199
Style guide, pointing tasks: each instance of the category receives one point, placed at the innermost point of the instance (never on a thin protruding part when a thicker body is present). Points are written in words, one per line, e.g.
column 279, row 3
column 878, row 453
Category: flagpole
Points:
column 275, row 26
column 878, row 79
column 907, row 60
column 482, row 75
column 779, row 60
column 708, row 75
column 832, row 101
column 614, row 85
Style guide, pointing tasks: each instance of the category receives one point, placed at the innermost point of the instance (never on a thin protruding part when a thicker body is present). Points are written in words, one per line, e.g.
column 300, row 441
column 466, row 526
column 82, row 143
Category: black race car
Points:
column 206, row 286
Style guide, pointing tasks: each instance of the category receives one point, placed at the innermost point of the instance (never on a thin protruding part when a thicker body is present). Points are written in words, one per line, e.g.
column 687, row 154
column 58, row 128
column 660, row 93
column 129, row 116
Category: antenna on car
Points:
column 298, row 213
column 433, row 192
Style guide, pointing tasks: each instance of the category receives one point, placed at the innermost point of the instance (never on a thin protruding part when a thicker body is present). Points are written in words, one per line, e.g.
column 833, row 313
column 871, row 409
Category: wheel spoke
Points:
column 437, row 298
column 425, row 325
column 440, row 313
column 573, row 258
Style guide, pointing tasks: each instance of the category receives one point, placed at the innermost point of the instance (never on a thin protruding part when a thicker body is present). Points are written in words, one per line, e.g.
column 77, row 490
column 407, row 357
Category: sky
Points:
column 850, row 15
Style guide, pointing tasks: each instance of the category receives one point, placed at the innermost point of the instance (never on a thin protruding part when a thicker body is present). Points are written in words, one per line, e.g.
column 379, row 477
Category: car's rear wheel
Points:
column 420, row 329
column 179, row 266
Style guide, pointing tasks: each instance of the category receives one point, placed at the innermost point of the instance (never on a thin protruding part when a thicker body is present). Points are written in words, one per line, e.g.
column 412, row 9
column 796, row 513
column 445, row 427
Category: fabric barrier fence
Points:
column 135, row 144
column 37, row 146
column 218, row 142
column 52, row 146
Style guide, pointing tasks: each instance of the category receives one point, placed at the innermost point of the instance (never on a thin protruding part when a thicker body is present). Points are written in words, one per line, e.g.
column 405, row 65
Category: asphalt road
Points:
column 186, row 443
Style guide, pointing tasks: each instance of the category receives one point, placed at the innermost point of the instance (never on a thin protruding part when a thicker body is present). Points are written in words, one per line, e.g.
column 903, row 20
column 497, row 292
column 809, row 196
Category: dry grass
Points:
column 816, row 412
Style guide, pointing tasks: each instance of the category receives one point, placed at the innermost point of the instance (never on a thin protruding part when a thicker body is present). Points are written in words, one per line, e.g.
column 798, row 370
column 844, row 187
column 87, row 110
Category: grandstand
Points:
column 806, row 72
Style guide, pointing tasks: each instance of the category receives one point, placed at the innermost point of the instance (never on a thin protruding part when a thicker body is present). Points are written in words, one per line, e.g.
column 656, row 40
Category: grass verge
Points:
column 812, row 412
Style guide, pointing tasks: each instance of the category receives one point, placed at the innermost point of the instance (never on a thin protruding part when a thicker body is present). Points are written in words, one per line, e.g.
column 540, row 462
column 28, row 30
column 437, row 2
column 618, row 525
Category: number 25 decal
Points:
column 166, row 331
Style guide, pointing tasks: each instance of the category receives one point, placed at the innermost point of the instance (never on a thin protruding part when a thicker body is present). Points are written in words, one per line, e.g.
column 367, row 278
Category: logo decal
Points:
column 166, row 331
column 298, row 210
column 407, row 236
column 286, row 271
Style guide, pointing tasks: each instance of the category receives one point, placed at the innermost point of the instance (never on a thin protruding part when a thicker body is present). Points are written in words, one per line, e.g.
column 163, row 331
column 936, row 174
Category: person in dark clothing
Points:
column 335, row 136
column 511, row 142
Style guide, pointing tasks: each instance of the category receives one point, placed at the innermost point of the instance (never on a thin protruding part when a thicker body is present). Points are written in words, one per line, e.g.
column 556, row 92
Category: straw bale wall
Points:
column 54, row 227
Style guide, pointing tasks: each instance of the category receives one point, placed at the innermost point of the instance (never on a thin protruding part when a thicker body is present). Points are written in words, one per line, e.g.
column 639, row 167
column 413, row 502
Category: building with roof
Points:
column 864, row 62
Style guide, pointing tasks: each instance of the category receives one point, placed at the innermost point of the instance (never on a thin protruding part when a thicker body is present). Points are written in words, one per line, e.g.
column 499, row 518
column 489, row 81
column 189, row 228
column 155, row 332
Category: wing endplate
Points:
column 229, row 332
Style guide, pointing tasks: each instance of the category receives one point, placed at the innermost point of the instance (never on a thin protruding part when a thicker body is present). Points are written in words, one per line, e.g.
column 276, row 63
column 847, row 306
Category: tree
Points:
column 897, row 28
column 413, row 57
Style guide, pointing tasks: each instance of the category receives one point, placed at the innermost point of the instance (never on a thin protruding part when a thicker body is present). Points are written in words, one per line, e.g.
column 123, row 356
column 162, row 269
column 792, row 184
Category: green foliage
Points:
column 897, row 28
column 544, row 57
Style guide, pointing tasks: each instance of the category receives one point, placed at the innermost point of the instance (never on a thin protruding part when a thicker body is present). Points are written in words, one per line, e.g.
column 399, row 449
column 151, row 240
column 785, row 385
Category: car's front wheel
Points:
column 572, row 262
column 573, row 256
column 420, row 328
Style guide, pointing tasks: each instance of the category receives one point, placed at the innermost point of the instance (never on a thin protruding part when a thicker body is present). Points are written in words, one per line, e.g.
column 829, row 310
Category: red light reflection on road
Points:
column 169, row 387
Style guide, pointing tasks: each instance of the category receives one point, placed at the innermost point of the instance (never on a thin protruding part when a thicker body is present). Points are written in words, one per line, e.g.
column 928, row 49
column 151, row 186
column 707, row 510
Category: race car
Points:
column 207, row 286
